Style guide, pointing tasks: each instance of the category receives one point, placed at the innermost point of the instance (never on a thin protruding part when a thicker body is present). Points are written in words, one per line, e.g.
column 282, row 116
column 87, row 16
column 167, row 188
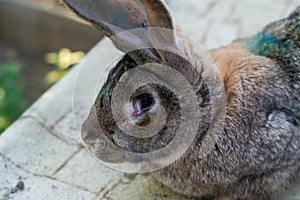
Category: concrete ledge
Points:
column 28, row 142
column 36, row 186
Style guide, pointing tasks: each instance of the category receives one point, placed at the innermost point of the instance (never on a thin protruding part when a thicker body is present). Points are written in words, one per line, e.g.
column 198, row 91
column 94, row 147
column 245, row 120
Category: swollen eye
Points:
column 142, row 103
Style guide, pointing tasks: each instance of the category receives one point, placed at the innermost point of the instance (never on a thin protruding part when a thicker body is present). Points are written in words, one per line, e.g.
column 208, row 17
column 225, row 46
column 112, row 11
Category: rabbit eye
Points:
column 142, row 103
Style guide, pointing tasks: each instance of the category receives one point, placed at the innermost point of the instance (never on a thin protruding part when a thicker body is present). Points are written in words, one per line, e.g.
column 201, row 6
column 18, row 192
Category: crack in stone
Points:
column 66, row 161
column 41, row 175
column 107, row 190
column 50, row 130
column 208, row 9
column 61, row 118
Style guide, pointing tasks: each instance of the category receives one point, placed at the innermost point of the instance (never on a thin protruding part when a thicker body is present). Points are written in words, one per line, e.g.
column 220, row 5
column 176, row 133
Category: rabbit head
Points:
column 144, row 31
column 166, row 93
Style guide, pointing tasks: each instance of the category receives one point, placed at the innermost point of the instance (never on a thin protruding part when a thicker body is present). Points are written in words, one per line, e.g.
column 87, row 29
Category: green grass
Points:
column 11, row 94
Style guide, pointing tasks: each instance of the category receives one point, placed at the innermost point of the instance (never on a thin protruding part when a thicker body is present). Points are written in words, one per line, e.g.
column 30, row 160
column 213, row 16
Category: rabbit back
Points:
column 258, row 151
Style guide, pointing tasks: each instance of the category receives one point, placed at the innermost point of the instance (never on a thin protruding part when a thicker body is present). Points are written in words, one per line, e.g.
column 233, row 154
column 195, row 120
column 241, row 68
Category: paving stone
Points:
column 143, row 186
column 33, row 148
column 36, row 187
column 67, row 129
column 85, row 171
column 214, row 23
column 292, row 193
column 216, row 38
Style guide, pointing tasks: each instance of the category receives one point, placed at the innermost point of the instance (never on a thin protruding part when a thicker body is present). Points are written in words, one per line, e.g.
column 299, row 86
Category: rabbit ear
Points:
column 116, row 16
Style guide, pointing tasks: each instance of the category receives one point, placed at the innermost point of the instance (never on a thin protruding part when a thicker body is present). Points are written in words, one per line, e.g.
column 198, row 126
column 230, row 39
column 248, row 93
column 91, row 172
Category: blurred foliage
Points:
column 11, row 94
column 62, row 60
column 12, row 102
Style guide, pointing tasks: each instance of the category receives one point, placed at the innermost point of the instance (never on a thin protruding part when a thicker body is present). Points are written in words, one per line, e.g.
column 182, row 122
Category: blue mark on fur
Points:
column 104, row 94
column 261, row 44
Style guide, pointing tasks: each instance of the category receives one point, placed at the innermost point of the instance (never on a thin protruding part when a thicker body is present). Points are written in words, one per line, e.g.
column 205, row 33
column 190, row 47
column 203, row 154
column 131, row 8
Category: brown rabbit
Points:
column 257, row 151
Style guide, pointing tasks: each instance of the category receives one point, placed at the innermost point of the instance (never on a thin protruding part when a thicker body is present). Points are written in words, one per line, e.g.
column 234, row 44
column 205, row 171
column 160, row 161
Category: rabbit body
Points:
column 258, row 149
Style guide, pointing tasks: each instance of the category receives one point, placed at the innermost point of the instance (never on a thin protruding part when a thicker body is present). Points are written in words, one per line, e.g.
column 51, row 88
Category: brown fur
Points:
column 231, row 60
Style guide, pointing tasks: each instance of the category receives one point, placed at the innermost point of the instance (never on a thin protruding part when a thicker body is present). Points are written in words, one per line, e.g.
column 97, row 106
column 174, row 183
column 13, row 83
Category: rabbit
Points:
column 257, row 152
